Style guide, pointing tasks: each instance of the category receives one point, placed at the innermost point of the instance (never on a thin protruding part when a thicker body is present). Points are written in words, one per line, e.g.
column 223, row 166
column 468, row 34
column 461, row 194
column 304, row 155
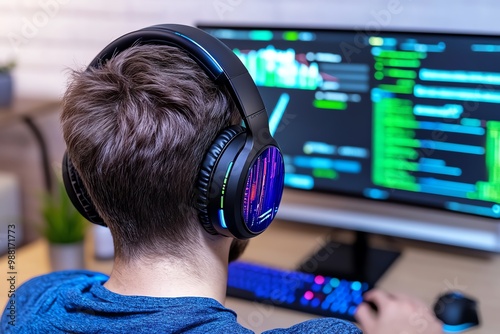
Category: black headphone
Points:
column 242, row 176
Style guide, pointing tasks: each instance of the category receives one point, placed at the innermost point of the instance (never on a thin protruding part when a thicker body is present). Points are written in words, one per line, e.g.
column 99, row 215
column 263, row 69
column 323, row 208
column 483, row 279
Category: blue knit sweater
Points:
column 77, row 302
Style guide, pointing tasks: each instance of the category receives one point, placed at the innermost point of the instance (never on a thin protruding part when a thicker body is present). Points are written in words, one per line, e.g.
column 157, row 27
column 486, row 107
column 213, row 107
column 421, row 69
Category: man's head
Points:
column 137, row 130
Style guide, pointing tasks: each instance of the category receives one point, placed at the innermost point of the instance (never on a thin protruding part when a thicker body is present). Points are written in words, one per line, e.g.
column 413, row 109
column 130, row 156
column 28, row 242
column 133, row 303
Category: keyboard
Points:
column 315, row 294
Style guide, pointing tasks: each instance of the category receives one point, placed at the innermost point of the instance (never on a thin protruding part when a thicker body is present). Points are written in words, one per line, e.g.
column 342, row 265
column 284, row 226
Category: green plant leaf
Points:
column 7, row 67
column 62, row 222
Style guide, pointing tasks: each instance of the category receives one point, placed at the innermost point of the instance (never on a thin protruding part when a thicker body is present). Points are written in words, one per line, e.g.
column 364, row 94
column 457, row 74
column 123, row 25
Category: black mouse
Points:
column 457, row 311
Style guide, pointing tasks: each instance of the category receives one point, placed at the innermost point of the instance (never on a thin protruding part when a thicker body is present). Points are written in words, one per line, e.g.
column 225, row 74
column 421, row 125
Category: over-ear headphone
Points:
column 242, row 176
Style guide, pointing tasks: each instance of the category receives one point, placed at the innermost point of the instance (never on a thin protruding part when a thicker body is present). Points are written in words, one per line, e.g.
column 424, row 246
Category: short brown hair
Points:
column 136, row 130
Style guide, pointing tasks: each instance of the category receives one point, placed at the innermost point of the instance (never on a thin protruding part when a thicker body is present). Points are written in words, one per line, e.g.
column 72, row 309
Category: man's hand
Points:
column 396, row 314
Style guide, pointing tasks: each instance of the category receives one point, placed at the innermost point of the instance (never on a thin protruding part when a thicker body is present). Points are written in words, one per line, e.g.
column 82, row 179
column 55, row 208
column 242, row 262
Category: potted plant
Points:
column 65, row 230
column 6, row 86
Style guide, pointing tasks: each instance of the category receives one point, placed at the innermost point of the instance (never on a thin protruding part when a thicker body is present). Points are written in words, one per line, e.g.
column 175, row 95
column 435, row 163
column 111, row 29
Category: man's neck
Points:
column 201, row 277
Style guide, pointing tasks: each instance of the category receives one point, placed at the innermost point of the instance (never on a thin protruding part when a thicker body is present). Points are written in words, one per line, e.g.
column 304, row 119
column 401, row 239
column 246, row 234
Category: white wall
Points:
column 47, row 37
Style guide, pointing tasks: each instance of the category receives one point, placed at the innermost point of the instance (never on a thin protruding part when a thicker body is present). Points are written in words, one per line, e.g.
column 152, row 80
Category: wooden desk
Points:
column 419, row 271
column 27, row 108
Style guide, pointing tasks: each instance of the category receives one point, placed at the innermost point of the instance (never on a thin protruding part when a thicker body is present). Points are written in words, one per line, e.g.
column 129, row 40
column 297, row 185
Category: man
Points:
column 137, row 130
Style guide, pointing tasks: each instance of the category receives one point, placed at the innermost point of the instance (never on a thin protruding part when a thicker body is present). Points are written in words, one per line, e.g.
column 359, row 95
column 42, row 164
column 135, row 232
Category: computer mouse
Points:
column 457, row 311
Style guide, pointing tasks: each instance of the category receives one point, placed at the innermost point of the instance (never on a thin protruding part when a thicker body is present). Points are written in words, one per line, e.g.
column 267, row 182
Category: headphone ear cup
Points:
column 78, row 194
column 205, row 176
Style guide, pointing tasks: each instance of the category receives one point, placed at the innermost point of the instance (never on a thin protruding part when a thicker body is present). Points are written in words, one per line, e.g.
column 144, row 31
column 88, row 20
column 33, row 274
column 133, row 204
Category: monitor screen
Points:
column 398, row 117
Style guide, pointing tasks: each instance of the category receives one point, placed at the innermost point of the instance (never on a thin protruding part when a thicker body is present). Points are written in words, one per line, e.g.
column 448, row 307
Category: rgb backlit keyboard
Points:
column 316, row 294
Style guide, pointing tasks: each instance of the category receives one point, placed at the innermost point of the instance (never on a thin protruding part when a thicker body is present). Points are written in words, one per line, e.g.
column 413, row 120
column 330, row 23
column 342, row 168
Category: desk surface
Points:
column 419, row 271
column 27, row 108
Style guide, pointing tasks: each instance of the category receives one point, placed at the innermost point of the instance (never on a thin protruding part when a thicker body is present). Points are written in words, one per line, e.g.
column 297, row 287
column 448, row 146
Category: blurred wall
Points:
column 48, row 37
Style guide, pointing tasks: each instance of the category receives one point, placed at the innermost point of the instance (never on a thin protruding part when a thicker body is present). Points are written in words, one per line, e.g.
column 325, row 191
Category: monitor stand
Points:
column 355, row 262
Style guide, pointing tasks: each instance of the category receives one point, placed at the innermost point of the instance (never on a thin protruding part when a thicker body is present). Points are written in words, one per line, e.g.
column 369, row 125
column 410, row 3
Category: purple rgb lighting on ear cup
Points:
column 263, row 191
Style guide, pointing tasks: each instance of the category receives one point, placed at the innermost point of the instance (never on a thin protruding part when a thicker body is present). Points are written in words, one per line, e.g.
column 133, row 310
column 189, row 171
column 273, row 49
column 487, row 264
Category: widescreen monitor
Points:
column 393, row 132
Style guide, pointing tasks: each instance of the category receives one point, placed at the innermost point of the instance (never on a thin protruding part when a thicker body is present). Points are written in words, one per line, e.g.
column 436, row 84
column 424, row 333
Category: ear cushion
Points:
column 207, row 169
column 78, row 194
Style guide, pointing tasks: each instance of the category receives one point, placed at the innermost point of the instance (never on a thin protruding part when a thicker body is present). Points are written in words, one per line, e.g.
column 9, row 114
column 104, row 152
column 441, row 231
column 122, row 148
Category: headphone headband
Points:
column 209, row 53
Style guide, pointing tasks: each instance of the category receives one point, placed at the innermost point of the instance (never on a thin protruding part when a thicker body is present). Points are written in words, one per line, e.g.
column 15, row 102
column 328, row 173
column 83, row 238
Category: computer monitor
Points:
column 391, row 132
